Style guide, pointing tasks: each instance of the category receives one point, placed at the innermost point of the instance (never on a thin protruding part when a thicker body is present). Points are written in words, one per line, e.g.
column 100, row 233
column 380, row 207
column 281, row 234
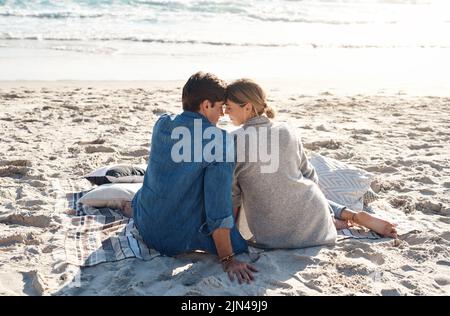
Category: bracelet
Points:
column 227, row 259
column 353, row 218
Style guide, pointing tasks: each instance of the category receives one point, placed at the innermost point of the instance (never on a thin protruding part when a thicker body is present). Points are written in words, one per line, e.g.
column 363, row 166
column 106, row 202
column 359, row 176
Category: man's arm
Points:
column 235, row 268
column 219, row 219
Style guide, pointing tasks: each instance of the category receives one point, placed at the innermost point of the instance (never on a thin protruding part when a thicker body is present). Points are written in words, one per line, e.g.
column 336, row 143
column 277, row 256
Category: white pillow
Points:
column 117, row 174
column 340, row 182
column 110, row 195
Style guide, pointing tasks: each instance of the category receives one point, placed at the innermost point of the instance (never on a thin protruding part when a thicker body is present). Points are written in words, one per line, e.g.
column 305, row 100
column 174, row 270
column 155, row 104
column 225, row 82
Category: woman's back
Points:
column 284, row 207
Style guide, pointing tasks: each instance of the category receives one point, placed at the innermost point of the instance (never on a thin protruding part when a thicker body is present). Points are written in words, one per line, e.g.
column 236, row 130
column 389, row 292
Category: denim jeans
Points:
column 336, row 209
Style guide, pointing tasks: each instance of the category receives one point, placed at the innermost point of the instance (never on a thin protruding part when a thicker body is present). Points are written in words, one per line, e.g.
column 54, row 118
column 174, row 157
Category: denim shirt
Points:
column 182, row 202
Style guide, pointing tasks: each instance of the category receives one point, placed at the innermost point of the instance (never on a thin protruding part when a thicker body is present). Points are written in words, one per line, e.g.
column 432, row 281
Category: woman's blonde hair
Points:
column 243, row 91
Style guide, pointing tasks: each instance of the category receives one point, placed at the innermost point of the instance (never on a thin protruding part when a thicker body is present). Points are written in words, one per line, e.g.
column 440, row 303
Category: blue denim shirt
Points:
column 182, row 202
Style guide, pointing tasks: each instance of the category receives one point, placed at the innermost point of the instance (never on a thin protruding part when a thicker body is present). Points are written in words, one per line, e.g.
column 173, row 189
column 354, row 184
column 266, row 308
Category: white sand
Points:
column 53, row 133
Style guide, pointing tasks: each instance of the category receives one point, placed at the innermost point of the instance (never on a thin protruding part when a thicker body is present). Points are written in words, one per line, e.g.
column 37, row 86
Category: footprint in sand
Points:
column 158, row 111
column 412, row 135
column 359, row 137
column 68, row 106
column 390, row 292
column 8, row 240
column 442, row 280
column 97, row 141
column 6, row 118
column 41, row 221
column 136, row 152
column 81, row 120
column 329, row 144
column 18, row 163
column 19, row 238
column 407, row 268
column 322, row 128
column 99, row 149
column 11, row 96
column 49, row 248
column 423, row 179
column 404, row 203
column 443, row 263
column 363, row 131
column 424, row 146
column 14, row 168
column 427, row 192
column 429, row 206
column 382, row 169
column 415, row 238
column 370, row 255
column 424, row 129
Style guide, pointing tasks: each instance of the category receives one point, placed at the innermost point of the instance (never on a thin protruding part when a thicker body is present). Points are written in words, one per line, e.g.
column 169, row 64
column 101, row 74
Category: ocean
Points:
column 323, row 41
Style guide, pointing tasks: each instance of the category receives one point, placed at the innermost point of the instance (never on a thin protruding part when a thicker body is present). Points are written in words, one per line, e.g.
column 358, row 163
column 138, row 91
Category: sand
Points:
column 52, row 133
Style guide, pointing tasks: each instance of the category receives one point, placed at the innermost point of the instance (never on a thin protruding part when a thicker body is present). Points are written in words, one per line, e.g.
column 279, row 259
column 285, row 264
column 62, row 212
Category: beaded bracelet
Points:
column 226, row 259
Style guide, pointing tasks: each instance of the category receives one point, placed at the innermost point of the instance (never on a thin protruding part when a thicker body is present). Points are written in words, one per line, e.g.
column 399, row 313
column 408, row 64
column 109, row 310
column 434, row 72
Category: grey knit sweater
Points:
column 282, row 209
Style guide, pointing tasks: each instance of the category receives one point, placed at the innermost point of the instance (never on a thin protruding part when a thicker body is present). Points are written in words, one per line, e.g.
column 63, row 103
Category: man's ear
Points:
column 205, row 105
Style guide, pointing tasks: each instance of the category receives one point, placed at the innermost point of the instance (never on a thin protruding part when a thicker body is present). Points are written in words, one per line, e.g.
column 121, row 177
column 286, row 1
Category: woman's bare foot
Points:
column 125, row 208
column 376, row 224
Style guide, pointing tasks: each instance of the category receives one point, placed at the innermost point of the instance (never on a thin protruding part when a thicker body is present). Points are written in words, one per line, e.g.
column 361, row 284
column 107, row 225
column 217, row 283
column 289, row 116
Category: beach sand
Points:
column 52, row 133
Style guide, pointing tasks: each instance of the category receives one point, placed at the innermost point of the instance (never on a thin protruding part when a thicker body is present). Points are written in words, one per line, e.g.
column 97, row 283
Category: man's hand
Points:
column 235, row 268
column 241, row 270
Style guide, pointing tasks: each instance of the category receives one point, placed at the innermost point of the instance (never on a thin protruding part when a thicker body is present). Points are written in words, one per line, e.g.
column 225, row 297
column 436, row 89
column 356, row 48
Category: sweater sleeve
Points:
column 306, row 167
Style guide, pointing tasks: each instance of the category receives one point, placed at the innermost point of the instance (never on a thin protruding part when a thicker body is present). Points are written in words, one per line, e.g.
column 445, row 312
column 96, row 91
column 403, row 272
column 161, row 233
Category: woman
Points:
column 284, row 208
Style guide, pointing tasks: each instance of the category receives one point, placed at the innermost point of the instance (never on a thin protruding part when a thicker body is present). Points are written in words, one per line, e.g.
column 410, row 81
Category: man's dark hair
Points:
column 200, row 87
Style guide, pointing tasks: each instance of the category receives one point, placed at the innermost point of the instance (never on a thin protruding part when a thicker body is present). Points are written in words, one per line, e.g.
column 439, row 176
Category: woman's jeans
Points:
column 336, row 209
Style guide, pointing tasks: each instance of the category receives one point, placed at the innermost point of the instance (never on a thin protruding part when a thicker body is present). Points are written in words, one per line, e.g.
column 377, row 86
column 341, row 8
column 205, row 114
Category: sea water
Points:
column 329, row 42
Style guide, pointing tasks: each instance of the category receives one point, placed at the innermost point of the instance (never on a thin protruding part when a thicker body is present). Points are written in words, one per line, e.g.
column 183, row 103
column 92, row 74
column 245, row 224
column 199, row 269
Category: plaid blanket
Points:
column 93, row 235
column 96, row 235
column 357, row 233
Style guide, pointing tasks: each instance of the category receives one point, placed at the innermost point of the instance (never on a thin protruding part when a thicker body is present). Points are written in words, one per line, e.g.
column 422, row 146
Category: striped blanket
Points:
column 357, row 233
column 96, row 235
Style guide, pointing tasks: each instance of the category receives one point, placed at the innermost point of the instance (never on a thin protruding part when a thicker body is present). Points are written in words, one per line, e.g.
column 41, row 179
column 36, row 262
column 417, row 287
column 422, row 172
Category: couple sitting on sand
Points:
column 198, row 178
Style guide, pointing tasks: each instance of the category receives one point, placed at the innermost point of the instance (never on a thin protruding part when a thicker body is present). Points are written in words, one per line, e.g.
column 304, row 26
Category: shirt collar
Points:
column 195, row 115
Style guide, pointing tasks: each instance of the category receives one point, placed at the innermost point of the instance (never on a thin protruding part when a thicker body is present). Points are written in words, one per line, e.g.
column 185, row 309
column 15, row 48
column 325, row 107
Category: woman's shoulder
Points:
column 284, row 128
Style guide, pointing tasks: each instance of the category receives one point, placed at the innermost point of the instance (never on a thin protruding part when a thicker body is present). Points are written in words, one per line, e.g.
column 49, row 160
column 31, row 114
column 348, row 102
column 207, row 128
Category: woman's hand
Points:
column 241, row 270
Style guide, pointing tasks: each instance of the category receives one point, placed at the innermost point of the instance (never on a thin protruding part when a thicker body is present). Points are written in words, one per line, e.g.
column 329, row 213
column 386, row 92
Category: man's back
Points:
column 172, row 211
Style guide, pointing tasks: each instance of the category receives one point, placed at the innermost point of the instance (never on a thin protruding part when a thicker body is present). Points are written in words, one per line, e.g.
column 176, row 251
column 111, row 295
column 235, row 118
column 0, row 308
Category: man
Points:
column 185, row 204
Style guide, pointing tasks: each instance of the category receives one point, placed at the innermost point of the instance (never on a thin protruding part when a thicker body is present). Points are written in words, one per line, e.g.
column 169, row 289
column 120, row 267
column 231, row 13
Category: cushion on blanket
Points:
column 117, row 174
column 110, row 195
column 370, row 196
column 340, row 182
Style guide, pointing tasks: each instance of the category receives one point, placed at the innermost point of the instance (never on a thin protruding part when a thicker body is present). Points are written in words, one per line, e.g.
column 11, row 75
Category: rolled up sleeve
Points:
column 217, row 195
